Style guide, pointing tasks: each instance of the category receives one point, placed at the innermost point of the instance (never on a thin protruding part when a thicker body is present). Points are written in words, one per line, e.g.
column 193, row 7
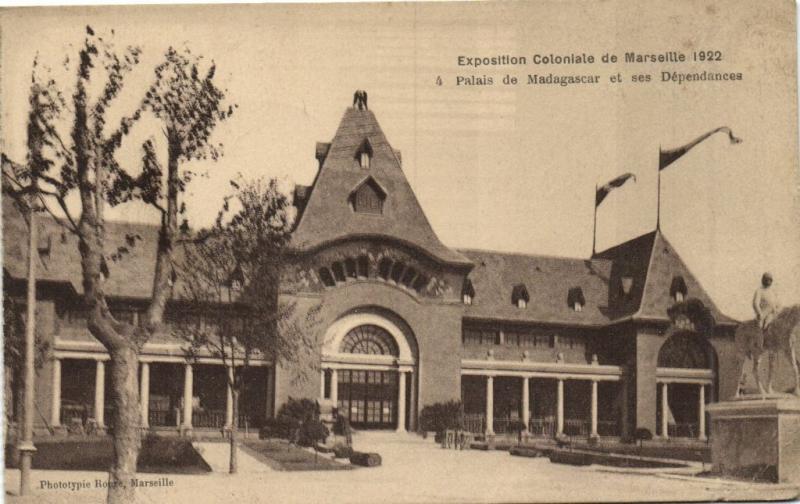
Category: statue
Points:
column 782, row 335
column 360, row 100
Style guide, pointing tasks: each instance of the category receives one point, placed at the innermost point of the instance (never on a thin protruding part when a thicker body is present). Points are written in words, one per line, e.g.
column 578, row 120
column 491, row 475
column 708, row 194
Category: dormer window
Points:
column 678, row 290
column 519, row 296
column 575, row 299
column 368, row 197
column 364, row 155
column 467, row 292
column 627, row 285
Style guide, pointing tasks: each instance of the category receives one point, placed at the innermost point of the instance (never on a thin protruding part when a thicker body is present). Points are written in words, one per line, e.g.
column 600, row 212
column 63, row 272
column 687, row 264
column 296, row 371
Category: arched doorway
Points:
column 368, row 361
column 686, row 382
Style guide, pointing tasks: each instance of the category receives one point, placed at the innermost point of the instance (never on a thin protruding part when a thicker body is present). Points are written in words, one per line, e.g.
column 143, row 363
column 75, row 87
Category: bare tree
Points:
column 233, row 275
column 189, row 104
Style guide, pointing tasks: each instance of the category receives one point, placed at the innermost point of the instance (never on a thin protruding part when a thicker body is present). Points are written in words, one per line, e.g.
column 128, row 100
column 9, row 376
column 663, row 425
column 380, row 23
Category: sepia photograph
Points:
column 401, row 252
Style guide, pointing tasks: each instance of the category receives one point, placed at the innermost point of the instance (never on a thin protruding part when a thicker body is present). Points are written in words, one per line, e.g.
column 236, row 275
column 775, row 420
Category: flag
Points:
column 603, row 191
column 667, row 157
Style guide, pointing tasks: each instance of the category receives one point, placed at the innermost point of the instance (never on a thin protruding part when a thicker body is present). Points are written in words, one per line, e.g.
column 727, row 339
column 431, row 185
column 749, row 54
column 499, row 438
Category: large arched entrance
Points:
column 686, row 382
column 368, row 363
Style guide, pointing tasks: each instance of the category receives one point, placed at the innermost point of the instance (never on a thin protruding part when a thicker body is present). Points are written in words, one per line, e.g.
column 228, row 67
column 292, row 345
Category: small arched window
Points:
column 519, row 296
column 575, row 299
column 467, row 292
column 384, row 268
column 677, row 289
column 368, row 197
column 362, row 266
column 338, row 271
column 364, row 155
column 326, row 277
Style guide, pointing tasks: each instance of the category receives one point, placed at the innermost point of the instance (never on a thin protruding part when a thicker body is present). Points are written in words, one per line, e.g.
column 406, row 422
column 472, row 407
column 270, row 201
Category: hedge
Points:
column 365, row 459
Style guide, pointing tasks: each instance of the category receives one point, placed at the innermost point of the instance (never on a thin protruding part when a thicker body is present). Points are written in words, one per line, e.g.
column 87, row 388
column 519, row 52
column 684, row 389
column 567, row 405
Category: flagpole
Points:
column 594, row 226
column 658, row 197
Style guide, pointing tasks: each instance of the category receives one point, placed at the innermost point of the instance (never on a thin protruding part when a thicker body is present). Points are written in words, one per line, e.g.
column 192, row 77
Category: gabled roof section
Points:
column 547, row 280
column 665, row 265
column 373, row 183
column 653, row 265
column 328, row 215
column 629, row 261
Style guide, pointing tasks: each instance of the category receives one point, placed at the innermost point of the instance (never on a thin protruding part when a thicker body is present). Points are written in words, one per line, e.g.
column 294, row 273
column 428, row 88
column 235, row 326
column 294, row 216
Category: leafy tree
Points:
column 234, row 270
column 190, row 105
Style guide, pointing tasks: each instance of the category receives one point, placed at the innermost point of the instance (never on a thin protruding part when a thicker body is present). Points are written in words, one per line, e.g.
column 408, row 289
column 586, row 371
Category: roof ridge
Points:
column 530, row 254
column 638, row 312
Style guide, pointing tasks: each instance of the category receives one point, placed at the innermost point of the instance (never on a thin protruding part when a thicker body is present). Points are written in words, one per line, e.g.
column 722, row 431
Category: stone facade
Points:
column 558, row 343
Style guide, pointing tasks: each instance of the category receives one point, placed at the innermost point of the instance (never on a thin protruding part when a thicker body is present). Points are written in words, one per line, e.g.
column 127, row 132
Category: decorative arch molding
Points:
column 375, row 261
column 332, row 349
column 685, row 349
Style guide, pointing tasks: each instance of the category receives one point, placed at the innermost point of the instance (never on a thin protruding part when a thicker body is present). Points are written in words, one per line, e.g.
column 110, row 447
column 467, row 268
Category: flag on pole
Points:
column 667, row 157
column 603, row 190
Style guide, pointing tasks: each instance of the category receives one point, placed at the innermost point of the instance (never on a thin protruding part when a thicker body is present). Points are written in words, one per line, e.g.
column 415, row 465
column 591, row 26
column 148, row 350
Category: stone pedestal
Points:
column 758, row 438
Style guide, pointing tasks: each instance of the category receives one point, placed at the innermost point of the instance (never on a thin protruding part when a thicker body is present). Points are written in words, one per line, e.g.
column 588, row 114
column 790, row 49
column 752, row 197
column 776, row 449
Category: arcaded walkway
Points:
column 418, row 471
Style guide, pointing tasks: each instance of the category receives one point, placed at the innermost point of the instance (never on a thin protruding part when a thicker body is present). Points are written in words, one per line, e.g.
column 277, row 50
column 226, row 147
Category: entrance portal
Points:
column 368, row 398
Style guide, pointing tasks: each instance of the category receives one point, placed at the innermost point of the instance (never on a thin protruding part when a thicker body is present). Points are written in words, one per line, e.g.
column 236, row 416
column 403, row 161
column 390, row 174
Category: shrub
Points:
column 298, row 411
column 275, row 428
column 342, row 451
column 365, row 459
column 312, row 432
column 439, row 417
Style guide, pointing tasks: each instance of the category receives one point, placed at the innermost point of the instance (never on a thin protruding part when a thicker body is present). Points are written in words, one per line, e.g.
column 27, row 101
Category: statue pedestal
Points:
column 757, row 438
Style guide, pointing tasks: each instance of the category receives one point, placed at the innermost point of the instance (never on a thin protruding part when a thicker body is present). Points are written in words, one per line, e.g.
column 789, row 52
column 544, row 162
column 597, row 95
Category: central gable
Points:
column 360, row 158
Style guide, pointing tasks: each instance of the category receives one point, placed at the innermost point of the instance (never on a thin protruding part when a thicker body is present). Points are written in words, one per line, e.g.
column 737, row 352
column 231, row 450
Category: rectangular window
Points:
column 490, row 337
column 513, row 338
column 471, row 337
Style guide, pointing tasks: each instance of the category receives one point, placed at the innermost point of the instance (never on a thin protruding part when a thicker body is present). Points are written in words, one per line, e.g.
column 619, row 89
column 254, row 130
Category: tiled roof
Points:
column 547, row 280
column 629, row 259
column 328, row 216
column 652, row 263
column 131, row 276
column 666, row 264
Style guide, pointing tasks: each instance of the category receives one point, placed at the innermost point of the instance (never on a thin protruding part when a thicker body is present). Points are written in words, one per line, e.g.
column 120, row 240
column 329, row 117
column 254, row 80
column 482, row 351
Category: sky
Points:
column 510, row 168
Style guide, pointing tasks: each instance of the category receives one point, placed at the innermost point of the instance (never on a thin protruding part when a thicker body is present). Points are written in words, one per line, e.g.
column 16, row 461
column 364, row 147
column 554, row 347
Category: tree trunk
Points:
column 234, row 461
column 127, row 437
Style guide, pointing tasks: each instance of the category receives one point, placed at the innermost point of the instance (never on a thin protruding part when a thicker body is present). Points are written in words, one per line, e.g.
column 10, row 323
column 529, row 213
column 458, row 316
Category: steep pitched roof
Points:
column 328, row 216
column 629, row 259
column 547, row 280
column 652, row 263
column 666, row 264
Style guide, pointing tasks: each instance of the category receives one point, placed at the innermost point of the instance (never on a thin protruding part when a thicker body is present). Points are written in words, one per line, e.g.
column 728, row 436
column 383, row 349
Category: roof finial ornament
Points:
column 360, row 100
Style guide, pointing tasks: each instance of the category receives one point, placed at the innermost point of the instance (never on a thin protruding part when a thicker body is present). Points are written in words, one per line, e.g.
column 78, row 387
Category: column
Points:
column 144, row 394
column 269, row 406
column 664, row 411
column 412, row 405
column 322, row 383
column 401, row 401
column 560, row 408
column 188, row 386
column 335, row 388
column 701, row 413
column 594, row 408
column 526, row 406
column 100, row 393
column 55, row 398
column 489, row 405
column 229, row 399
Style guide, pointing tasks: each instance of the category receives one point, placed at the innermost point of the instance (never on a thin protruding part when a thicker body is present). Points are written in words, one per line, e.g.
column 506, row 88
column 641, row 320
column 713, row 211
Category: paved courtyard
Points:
column 413, row 471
